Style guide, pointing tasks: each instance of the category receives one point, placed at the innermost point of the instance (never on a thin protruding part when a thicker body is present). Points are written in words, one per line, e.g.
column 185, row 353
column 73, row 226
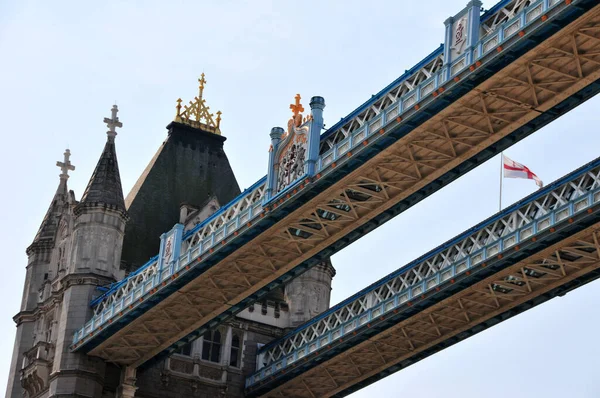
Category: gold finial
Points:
column 297, row 107
column 178, row 108
column 202, row 82
column 197, row 113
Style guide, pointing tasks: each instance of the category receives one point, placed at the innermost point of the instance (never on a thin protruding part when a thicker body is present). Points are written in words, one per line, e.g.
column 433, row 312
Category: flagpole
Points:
column 501, row 167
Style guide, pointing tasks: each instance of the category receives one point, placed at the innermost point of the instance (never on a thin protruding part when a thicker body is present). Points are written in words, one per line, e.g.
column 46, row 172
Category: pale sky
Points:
column 64, row 63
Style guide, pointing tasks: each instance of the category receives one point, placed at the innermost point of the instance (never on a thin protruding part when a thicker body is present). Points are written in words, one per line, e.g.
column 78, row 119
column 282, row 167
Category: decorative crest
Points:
column 294, row 154
column 197, row 113
column 65, row 165
column 112, row 123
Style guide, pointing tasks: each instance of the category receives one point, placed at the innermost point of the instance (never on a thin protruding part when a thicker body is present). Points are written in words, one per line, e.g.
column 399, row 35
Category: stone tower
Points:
column 77, row 248
column 48, row 256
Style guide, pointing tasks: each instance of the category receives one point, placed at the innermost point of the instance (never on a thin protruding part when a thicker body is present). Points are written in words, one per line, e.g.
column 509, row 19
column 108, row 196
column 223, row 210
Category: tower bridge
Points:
column 185, row 323
column 498, row 77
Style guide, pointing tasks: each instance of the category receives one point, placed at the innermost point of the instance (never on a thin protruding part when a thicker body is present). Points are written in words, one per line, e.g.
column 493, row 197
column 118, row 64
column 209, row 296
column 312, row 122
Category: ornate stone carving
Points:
column 291, row 158
column 293, row 154
column 37, row 367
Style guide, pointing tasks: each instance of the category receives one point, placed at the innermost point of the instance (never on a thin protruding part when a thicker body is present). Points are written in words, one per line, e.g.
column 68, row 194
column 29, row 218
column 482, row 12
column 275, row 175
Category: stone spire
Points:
column 105, row 184
column 47, row 231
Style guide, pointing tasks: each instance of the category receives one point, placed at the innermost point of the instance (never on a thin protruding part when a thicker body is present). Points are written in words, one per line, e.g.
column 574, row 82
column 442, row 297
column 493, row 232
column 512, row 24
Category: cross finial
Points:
column 297, row 107
column 113, row 123
column 65, row 165
column 202, row 82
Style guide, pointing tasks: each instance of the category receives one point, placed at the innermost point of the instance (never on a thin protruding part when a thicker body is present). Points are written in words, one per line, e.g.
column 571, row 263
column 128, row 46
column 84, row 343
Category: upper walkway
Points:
column 521, row 65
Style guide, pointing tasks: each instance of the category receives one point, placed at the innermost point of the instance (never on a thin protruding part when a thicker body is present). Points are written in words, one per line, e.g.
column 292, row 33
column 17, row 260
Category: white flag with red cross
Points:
column 513, row 169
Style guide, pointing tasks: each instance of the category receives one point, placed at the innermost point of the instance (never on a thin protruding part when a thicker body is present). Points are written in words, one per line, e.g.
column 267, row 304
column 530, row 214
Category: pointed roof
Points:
column 105, row 184
column 46, row 234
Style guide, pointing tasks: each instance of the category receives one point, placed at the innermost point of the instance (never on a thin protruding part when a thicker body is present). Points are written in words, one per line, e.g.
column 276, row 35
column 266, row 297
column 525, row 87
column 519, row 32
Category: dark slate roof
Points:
column 105, row 184
column 190, row 167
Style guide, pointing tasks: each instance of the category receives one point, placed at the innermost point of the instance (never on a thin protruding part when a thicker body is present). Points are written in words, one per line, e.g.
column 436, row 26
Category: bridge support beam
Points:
column 127, row 387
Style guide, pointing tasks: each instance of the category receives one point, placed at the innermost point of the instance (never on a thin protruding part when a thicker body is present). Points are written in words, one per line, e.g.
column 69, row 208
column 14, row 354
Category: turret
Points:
column 100, row 215
column 97, row 240
column 308, row 295
column 46, row 259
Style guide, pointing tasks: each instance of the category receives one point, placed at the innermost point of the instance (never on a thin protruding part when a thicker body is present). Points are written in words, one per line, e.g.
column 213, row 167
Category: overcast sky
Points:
column 63, row 64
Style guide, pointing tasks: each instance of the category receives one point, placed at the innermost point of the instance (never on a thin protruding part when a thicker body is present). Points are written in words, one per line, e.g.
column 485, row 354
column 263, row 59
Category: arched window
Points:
column 234, row 358
column 211, row 347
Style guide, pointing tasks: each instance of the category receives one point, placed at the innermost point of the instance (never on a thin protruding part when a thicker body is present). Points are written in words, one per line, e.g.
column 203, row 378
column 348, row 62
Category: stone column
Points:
column 127, row 387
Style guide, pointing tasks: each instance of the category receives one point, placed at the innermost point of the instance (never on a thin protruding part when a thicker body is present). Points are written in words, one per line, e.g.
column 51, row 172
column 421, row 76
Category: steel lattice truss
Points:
column 493, row 21
column 226, row 222
column 401, row 90
column 406, row 88
column 522, row 282
column 502, row 233
column 505, row 13
column 534, row 83
column 119, row 293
